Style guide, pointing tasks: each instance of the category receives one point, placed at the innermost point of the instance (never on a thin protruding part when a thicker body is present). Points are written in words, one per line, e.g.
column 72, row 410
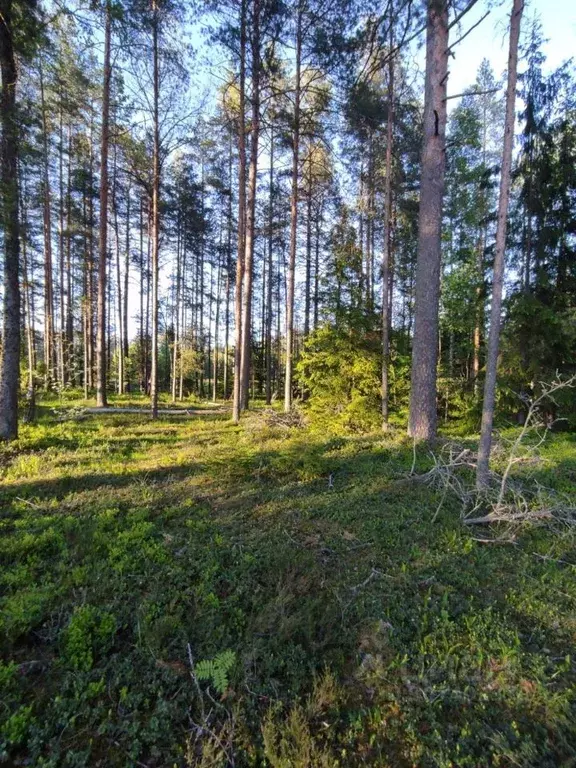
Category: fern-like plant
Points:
column 216, row 670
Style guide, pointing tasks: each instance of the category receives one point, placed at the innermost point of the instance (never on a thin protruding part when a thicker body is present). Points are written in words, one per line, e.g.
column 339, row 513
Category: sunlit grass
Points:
column 364, row 633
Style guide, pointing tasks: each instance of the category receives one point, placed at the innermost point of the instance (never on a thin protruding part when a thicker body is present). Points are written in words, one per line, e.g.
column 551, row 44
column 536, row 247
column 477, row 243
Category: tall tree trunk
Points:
column 200, row 283
column 49, row 351
column 269, row 313
column 237, row 393
column 293, row 219
column 308, row 280
column 126, row 278
column 482, row 470
column 90, row 268
column 61, row 251
column 28, row 298
column 142, row 284
column 86, row 271
column 119, row 296
column 176, row 345
column 101, row 399
column 319, row 218
column 147, row 312
column 387, row 235
column 216, row 323
column 228, row 277
column 69, row 327
column 155, row 213
column 10, row 364
column 251, row 209
column 422, row 424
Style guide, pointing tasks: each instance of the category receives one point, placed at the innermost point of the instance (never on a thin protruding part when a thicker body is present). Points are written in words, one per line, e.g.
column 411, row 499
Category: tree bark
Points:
column 101, row 398
column 10, row 364
column 484, row 449
column 251, row 209
column 236, row 397
column 387, row 237
column 155, row 214
column 308, row 278
column 125, row 338
column 293, row 220
column 269, row 318
column 49, row 352
column 422, row 423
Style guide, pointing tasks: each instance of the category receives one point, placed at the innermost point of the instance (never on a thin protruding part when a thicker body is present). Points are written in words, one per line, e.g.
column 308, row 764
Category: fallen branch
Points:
column 512, row 517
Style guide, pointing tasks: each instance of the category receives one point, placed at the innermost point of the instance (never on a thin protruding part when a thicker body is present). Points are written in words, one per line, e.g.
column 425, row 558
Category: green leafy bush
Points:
column 340, row 371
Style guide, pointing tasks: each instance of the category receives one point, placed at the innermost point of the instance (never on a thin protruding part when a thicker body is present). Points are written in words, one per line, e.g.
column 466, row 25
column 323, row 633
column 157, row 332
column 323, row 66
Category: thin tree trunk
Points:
column 28, row 302
column 251, row 210
column 319, row 216
column 308, row 280
column 101, row 399
column 228, row 278
column 69, row 328
column 484, row 449
column 49, row 352
column 90, row 276
column 155, row 214
column 237, row 393
column 142, row 284
column 126, row 278
column 216, row 323
column 119, row 297
column 387, row 238
column 293, row 220
column 176, row 344
column 422, row 424
column 61, row 254
column 269, row 318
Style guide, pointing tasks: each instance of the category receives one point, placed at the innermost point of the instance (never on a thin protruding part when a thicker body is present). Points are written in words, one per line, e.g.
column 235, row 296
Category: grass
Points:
column 190, row 593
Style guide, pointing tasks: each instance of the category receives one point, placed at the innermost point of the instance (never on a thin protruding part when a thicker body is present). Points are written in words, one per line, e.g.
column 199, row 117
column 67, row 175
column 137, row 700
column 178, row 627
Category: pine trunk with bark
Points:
column 101, row 352
column 155, row 213
column 236, row 397
column 485, row 446
column 251, row 210
column 291, row 277
column 10, row 363
column 387, row 238
column 49, row 351
column 423, row 418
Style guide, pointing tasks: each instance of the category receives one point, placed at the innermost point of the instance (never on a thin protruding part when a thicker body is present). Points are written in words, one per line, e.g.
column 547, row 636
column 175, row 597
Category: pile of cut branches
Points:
column 511, row 498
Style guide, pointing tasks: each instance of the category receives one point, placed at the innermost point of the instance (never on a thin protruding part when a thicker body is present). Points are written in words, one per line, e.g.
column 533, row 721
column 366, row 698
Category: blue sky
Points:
column 489, row 39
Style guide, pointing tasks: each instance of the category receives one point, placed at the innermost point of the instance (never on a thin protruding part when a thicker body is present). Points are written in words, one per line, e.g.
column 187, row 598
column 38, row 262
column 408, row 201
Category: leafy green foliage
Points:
column 340, row 370
column 217, row 670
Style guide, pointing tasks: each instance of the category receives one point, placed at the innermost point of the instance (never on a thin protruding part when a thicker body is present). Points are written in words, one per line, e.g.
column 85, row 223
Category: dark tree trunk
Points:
column 49, row 351
column 155, row 214
column 293, row 220
column 10, row 364
column 101, row 399
column 126, row 278
column 387, row 238
column 236, row 400
column 251, row 210
column 422, row 424
column 308, row 280
column 269, row 317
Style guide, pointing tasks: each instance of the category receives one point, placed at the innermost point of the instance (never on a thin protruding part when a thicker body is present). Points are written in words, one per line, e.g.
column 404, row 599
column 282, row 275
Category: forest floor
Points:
column 346, row 622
